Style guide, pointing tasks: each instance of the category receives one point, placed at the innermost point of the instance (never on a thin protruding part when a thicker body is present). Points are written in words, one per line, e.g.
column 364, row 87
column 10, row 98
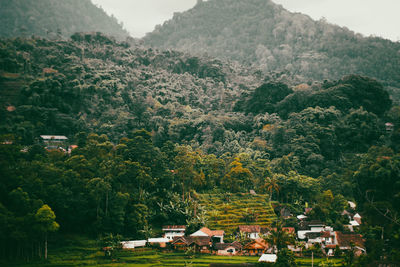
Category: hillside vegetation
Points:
column 55, row 19
column 227, row 212
column 263, row 34
column 155, row 129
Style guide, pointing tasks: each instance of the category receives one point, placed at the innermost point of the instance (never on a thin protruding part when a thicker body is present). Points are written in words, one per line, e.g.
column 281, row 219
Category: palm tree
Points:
column 271, row 185
column 278, row 238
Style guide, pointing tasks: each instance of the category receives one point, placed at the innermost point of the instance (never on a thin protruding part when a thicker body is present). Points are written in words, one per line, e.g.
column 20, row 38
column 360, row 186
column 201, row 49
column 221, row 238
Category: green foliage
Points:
column 285, row 258
column 240, row 209
column 45, row 218
column 154, row 128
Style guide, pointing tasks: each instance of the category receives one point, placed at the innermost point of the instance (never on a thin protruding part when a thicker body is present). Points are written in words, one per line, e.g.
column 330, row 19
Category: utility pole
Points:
column 312, row 258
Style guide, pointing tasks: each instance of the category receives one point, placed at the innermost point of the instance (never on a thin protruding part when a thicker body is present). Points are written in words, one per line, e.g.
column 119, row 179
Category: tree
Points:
column 238, row 177
column 278, row 238
column 286, row 258
column 271, row 184
column 46, row 222
column 99, row 189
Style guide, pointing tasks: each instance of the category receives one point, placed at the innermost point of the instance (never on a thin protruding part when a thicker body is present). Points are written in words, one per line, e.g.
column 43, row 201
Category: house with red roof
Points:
column 256, row 247
column 216, row 235
column 251, row 231
column 351, row 241
column 201, row 244
column 228, row 249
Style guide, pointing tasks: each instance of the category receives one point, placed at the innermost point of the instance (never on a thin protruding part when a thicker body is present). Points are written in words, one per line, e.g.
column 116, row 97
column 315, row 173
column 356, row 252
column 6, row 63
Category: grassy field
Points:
column 227, row 213
column 91, row 256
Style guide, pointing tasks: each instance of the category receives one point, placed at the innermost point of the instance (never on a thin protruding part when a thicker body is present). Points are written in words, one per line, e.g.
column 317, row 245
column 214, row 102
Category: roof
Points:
column 209, row 232
column 352, row 204
column 258, row 243
column 250, row 228
column 326, row 234
column 307, row 210
column 158, row 240
column 133, row 243
column 174, row 227
column 313, row 235
column 345, row 240
column 223, row 246
column 268, row 258
column 53, row 137
column 301, row 217
column 190, row 240
column 354, row 223
column 289, row 230
column 315, row 223
column 357, row 216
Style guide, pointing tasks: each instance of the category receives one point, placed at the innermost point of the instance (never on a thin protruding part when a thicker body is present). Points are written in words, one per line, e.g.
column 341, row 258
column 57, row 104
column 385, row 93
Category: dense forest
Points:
column 156, row 128
column 54, row 19
column 263, row 34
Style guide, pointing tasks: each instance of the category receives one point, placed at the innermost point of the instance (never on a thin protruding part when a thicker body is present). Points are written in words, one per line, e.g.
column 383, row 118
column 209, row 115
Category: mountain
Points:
column 92, row 83
column 52, row 18
column 168, row 138
column 263, row 34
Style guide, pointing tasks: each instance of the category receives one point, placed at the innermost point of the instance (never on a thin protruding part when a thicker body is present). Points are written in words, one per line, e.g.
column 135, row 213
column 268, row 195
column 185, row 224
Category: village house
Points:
column 171, row 231
column 268, row 258
column 54, row 141
column 217, row 236
column 133, row 244
column 228, row 249
column 201, row 244
column 160, row 242
column 251, row 231
column 346, row 241
column 357, row 218
column 255, row 247
column 312, row 227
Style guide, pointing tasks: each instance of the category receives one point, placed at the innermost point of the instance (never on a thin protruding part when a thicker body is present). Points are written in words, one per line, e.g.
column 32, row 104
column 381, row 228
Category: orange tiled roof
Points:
column 250, row 228
column 211, row 232
column 345, row 240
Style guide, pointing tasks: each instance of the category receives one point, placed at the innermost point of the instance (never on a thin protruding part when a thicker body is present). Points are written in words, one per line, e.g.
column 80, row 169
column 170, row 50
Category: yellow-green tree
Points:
column 237, row 178
column 46, row 222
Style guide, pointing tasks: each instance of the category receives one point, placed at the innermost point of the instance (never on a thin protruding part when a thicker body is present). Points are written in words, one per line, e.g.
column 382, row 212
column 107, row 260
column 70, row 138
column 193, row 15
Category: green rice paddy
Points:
column 227, row 213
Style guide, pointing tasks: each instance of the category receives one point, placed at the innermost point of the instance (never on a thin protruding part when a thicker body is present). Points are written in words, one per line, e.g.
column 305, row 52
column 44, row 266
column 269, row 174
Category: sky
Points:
column 369, row 17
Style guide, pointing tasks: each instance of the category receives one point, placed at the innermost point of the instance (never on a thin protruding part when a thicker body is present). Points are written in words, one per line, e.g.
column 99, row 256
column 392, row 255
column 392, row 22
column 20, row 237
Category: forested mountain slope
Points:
column 52, row 18
column 94, row 84
column 263, row 34
column 157, row 130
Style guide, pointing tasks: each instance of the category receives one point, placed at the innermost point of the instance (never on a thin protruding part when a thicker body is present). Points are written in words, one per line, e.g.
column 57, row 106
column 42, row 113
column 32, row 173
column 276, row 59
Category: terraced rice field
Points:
column 228, row 212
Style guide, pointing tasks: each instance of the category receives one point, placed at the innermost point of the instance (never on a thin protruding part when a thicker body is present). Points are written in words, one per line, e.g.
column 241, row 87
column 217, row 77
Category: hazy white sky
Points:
column 369, row 17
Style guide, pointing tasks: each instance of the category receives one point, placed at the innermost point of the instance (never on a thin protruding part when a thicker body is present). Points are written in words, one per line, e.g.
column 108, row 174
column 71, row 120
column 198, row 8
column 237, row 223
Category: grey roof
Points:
column 53, row 137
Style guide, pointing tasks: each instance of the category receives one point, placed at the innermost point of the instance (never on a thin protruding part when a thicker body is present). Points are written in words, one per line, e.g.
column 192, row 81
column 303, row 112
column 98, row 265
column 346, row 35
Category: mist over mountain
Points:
column 52, row 18
column 263, row 34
